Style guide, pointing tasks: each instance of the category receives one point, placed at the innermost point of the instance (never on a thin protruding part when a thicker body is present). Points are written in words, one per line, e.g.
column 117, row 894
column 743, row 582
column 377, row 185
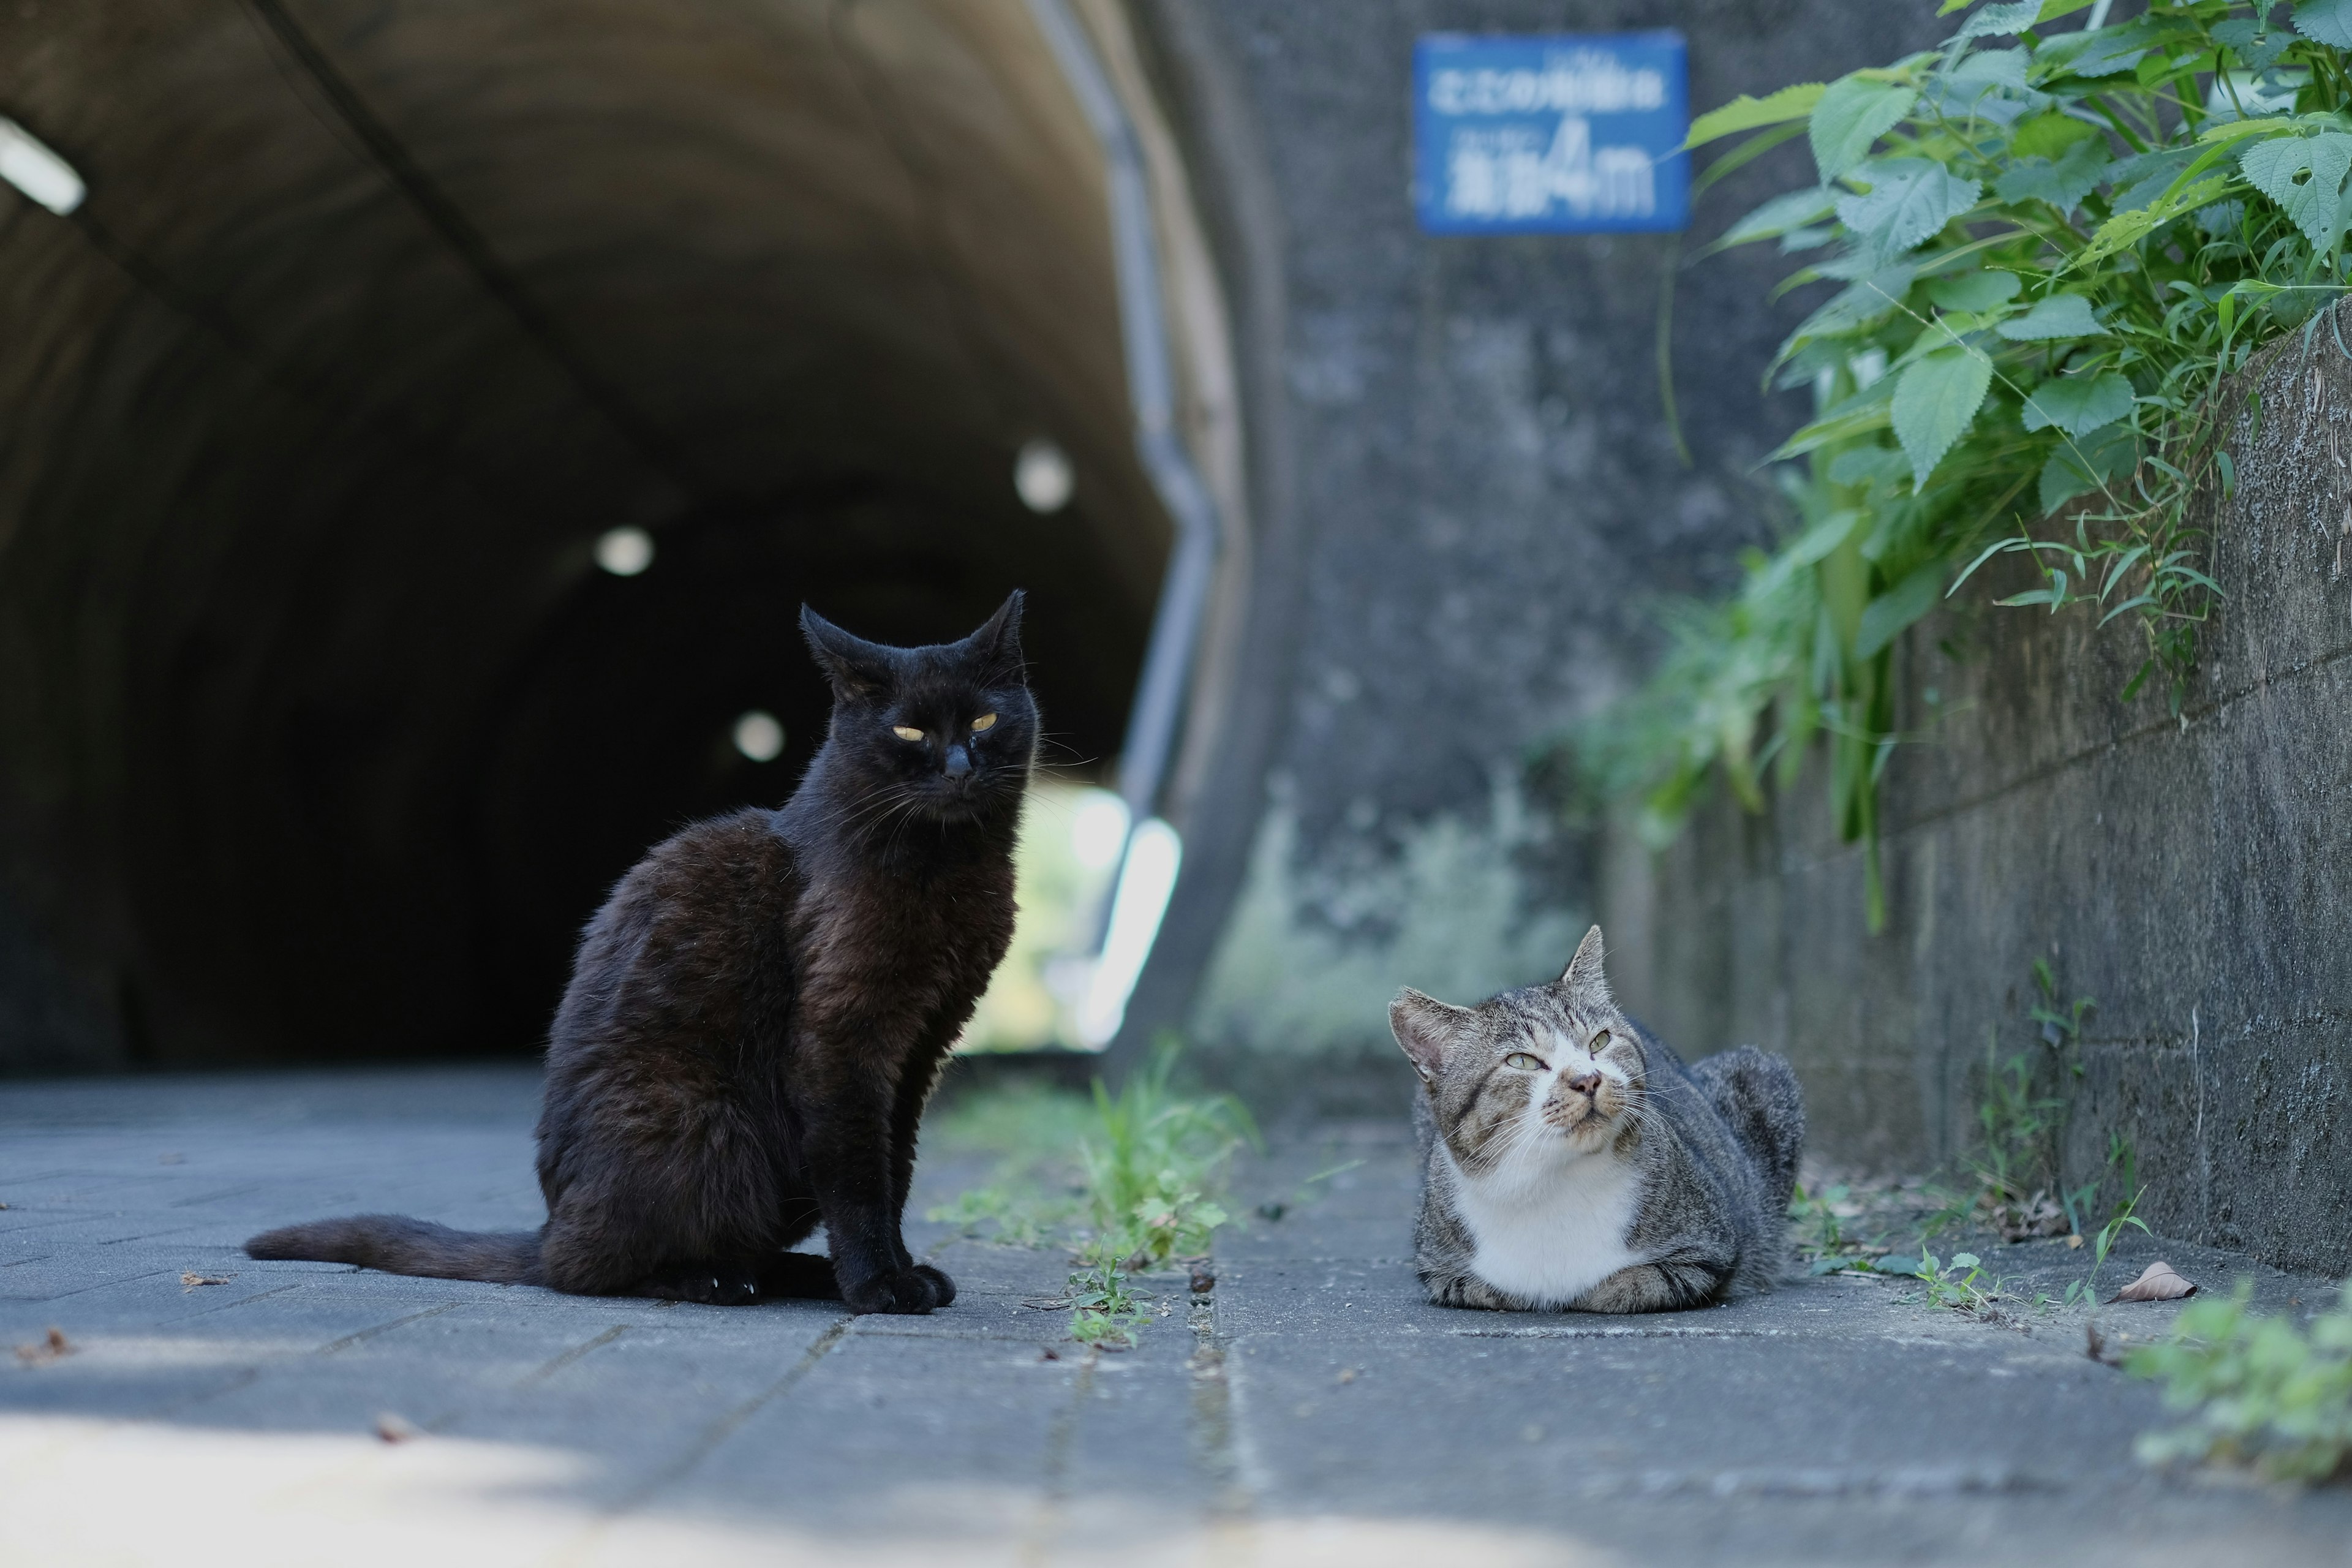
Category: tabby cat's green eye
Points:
column 1599, row 1043
column 906, row 732
column 1524, row 1062
column 985, row 721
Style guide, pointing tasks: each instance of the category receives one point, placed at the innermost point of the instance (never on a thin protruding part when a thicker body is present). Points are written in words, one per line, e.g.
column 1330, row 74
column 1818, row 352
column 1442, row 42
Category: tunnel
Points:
column 324, row 728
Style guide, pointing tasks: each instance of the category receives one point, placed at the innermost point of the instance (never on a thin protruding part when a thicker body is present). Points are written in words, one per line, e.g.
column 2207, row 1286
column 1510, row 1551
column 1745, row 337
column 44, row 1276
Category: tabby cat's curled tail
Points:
column 398, row 1244
column 1758, row 1097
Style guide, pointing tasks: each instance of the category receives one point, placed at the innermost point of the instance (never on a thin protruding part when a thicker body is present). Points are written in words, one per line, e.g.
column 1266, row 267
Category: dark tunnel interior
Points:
column 323, row 728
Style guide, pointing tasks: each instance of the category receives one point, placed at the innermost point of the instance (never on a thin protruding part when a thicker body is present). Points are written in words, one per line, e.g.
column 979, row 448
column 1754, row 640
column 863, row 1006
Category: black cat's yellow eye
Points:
column 985, row 721
column 906, row 732
column 1524, row 1062
column 1599, row 1043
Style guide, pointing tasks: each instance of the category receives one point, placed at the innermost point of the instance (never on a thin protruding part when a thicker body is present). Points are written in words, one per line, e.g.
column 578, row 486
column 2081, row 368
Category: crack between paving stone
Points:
column 1036, row 1542
column 540, row 1374
column 712, row 1436
column 350, row 1339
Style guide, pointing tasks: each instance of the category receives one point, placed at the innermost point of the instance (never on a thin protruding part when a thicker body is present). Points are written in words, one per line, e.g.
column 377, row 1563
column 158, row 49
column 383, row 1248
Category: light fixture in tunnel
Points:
column 1153, row 854
column 624, row 552
column 1042, row 476
column 759, row 737
column 29, row 165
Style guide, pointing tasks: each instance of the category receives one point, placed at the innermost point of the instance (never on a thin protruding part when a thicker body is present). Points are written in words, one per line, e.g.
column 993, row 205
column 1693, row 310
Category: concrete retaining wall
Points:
column 2195, row 877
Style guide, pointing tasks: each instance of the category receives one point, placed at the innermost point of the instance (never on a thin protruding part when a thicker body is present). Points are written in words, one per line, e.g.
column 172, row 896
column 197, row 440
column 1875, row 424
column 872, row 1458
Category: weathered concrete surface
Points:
column 1313, row 1410
column 2194, row 877
column 1464, row 494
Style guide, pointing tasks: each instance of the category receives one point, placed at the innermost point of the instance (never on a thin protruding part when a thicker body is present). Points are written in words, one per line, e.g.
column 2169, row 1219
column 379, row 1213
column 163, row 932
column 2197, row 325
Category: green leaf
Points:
column 1746, row 113
column 2079, row 404
column 1855, row 306
column 1853, row 114
column 1830, row 429
column 2081, row 467
column 1883, row 619
column 2108, row 51
column 2326, row 22
column 2059, row 316
column 1935, row 401
column 1896, row 1263
column 1965, row 1260
column 2063, row 182
column 1909, row 199
column 2001, row 21
column 1868, row 466
column 2050, row 135
column 2129, row 227
column 2305, row 175
column 1978, row 291
column 1780, row 215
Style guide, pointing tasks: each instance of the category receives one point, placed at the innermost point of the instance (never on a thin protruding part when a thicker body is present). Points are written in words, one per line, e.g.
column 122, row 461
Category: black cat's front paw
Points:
column 916, row 1289
column 940, row 1282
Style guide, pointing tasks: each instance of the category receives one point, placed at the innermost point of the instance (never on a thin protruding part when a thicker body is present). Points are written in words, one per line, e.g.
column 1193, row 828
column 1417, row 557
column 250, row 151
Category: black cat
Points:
column 759, row 1010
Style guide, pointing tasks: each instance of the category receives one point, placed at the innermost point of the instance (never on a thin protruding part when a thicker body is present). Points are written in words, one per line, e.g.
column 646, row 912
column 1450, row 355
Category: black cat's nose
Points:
column 959, row 761
column 1586, row 1083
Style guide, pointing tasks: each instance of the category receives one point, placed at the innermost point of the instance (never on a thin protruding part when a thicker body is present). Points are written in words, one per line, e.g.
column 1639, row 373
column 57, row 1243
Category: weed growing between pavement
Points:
column 2053, row 257
column 1130, row 1180
column 2263, row 1391
column 2007, row 1183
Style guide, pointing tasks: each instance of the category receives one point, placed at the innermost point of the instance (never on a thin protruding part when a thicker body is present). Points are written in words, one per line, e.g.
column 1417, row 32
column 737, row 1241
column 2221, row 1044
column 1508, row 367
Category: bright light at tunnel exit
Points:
column 1098, row 830
column 32, row 168
column 624, row 552
column 1144, row 885
column 759, row 736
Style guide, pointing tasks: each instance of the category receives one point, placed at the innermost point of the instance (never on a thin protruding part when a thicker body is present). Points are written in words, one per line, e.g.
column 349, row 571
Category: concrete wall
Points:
column 2195, row 877
column 1463, row 492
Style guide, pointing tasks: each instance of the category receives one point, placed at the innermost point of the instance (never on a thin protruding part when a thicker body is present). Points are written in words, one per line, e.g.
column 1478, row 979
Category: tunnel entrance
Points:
column 324, row 728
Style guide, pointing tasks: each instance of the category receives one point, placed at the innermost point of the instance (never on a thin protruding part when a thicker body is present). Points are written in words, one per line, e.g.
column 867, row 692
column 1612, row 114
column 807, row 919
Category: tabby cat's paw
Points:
column 916, row 1289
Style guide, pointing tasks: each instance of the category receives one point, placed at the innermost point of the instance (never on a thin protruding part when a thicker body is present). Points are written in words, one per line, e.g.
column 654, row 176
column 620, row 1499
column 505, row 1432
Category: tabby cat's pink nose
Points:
column 1586, row 1083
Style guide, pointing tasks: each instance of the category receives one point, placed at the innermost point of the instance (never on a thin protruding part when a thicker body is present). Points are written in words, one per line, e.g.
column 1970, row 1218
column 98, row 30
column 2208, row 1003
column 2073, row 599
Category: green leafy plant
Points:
column 2014, row 1169
column 2263, row 1391
column 2121, row 1156
column 2052, row 256
column 1130, row 1180
column 1960, row 1285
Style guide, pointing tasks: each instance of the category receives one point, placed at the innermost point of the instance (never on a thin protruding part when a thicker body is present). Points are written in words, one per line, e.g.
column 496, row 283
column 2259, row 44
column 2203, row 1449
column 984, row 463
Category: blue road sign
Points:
column 1550, row 133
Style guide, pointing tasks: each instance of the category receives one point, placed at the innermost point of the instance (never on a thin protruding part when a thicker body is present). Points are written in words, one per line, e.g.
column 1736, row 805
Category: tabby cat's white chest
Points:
column 1549, row 1233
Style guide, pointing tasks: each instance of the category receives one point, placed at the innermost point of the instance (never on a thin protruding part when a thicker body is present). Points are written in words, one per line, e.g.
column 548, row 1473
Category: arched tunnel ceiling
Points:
column 323, row 732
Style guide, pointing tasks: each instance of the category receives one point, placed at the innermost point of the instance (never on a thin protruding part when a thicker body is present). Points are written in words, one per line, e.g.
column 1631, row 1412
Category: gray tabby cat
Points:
column 1572, row 1160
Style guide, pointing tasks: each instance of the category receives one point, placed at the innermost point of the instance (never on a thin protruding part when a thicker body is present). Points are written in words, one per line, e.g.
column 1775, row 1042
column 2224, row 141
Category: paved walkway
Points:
column 1310, row 1410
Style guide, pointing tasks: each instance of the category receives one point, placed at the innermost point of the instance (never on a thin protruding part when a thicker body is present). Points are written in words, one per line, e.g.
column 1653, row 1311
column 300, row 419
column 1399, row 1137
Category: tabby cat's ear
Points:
column 997, row 644
column 1583, row 978
column 1428, row 1029
column 856, row 667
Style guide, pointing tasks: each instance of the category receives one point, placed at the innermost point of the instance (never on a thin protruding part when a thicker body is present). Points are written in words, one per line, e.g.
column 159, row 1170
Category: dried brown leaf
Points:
column 193, row 1279
column 2157, row 1282
column 55, row 1346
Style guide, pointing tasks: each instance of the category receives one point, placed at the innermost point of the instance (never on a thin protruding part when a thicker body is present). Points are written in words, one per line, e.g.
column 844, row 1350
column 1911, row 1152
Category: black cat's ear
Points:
column 1428, row 1029
column 856, row 667
column 997, row 644
column 1583, row 978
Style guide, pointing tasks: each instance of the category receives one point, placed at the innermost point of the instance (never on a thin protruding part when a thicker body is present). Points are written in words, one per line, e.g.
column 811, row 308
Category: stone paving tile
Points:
column 1311, row 1408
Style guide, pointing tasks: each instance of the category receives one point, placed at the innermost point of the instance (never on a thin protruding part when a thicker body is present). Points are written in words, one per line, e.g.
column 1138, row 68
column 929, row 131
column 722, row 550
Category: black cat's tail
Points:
column 398, row 1244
